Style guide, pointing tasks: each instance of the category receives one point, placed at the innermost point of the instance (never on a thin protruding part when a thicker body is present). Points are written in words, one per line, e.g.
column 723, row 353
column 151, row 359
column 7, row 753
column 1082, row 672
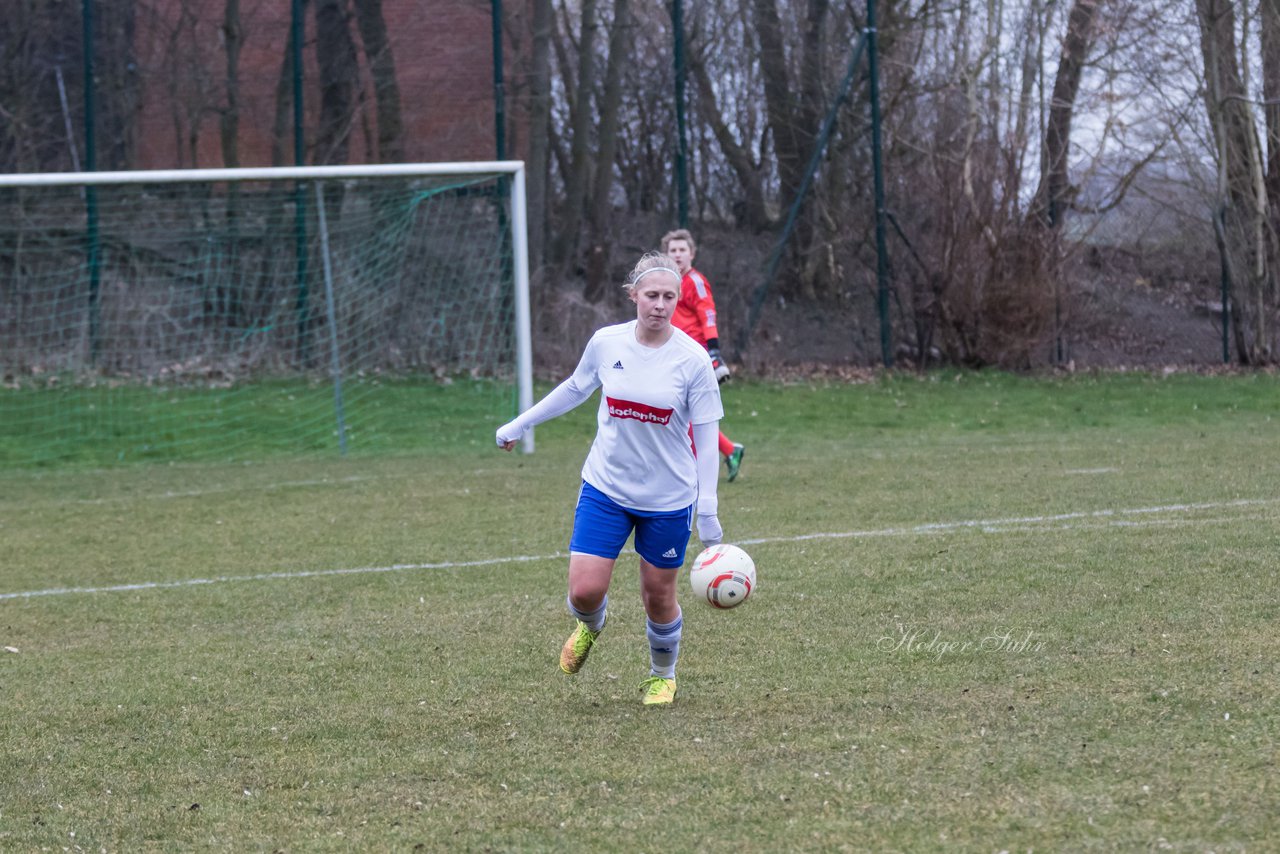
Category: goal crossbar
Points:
column 263, row 173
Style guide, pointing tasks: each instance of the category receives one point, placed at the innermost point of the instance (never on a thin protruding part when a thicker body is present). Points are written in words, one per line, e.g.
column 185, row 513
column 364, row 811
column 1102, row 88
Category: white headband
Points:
column 636, row 283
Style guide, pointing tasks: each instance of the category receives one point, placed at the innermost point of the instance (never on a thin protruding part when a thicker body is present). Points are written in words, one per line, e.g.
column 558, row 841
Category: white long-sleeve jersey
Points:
column 650, row 399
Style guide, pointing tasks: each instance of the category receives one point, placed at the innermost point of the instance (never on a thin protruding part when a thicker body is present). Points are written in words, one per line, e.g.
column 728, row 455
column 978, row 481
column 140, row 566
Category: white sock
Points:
column 664, row 645
column 593, row 619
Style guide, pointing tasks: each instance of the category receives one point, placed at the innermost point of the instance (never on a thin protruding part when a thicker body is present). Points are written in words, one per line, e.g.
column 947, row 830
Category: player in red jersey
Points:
column 695, row 315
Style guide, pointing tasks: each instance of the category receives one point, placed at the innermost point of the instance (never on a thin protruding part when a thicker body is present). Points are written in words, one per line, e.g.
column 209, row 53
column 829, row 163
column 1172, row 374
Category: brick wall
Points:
column 444, row 67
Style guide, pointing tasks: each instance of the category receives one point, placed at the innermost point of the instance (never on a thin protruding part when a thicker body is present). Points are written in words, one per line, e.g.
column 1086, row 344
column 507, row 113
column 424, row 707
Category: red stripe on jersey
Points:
column 638, row 411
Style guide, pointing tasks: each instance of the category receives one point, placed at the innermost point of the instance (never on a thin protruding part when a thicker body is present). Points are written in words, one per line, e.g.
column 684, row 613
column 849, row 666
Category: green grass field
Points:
column 993, row 614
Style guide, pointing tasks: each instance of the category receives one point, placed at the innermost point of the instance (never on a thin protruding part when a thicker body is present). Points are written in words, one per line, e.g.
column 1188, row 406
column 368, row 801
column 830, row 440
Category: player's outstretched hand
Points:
column 709, row 530
column 508, row 435
column 717, row 364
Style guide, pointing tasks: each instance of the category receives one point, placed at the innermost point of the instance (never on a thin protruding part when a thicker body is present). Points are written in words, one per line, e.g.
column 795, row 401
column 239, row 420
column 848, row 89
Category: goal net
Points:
column 228, row 314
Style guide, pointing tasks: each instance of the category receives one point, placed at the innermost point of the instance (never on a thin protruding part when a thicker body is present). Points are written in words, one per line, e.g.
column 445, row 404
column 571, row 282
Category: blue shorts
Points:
column 601, row 527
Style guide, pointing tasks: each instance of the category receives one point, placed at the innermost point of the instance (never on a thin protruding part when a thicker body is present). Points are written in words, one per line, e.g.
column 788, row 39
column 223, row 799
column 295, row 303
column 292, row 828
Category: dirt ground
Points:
column 1120, row 315
column 1136, row 322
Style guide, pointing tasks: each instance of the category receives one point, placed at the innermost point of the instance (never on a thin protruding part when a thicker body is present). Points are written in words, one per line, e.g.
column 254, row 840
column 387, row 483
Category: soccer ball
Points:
column 723, row 576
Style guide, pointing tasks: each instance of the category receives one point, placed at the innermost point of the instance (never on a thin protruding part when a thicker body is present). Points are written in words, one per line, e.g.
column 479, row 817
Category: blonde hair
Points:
column 650, row 262
column 679, row 234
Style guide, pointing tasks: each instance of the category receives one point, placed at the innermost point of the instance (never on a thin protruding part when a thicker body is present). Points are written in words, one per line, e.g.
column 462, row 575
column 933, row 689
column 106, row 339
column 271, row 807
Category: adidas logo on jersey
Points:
column 617, row 366
column 671, row 552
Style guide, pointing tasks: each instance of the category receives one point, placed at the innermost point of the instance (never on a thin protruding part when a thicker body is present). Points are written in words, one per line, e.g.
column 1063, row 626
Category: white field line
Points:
column 216, row 489
column 1021, row 521
column 208, row 490
column 1125, row 523
column 273, row 576
column 1016, row 524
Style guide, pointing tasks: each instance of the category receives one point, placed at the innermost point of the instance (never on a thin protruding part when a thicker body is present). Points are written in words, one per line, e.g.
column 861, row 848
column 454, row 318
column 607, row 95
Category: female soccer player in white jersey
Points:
column 641, row 473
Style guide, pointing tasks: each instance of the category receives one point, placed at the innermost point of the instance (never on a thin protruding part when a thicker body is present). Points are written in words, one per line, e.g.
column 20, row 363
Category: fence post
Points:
column 92, row 237
column 882, row 251
column 299, row 193
column 682, row 138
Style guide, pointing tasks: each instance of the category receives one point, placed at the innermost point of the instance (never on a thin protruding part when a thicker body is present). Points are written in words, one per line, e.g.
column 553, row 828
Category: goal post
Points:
column 199, row 313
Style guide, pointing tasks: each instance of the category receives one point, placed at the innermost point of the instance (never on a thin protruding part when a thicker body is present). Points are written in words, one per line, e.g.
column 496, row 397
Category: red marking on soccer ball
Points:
column 723, row 576
column 729, row 589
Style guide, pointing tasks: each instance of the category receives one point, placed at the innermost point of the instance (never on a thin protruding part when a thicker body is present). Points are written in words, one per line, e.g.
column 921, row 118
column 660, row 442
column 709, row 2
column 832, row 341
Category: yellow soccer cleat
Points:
column 574, row 653
column 658, row 691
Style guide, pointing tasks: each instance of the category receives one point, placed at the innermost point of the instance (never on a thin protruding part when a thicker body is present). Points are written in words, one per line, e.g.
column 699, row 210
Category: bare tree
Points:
column 647, row 124
column 793, row 122
column 229, row 126
column 226, row 299
column 386, row 87
column 1270, row 48
column 282, row 117
column 600, row 222
column 1242, row 215
column 735, row 145
column 117, row 85
column 1052, row 196
column 539, row 131
column 186, row 75
column 39, row 59
column 336, row 57
column 577, row 176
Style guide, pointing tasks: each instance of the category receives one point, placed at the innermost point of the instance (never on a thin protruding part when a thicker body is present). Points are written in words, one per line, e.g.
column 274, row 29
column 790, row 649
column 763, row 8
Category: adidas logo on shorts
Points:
column 671, row 552
column 617, row 366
